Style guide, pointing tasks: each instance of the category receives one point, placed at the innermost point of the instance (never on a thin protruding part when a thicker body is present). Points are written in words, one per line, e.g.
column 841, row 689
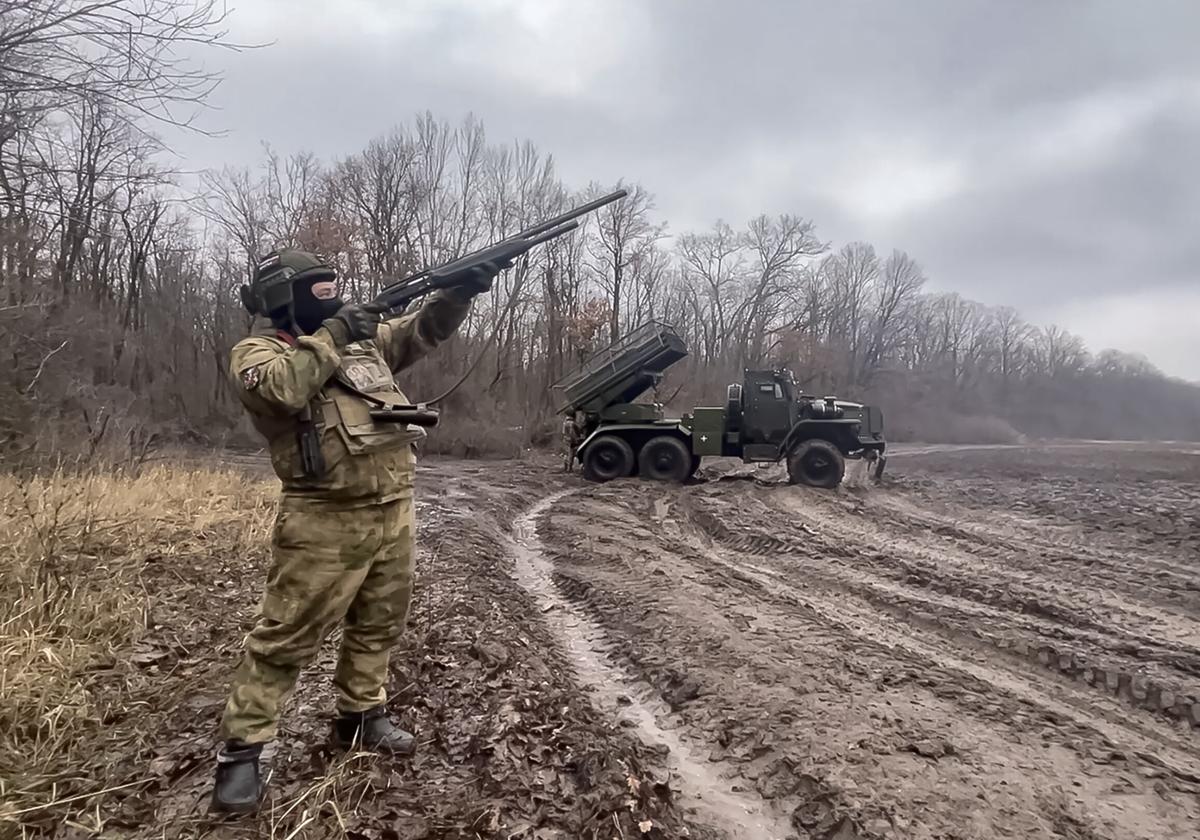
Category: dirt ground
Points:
column 995, row 642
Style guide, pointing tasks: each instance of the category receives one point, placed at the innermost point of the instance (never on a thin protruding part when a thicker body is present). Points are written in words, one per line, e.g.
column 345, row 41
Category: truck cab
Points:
column 769, row 408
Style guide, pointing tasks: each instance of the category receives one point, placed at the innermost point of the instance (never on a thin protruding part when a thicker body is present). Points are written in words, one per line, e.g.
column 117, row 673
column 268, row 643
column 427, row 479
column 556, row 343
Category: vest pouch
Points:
column 358, row 430
column 285, row 456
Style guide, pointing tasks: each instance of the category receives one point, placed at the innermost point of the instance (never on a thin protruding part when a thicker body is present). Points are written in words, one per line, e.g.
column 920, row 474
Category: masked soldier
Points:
column 342, row 547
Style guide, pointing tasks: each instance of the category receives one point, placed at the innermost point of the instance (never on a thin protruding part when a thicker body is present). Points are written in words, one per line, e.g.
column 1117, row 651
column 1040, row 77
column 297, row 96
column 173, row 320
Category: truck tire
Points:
column 817, row 463
column 606, row 458
column 665, row 458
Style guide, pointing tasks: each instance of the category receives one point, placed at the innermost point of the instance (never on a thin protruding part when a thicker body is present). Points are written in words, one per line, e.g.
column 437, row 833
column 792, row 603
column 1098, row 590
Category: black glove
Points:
column 355, row 322
column 481, row 278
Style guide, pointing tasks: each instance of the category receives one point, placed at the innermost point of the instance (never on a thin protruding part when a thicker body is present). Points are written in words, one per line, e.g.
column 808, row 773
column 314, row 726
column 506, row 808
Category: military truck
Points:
column 765, row 418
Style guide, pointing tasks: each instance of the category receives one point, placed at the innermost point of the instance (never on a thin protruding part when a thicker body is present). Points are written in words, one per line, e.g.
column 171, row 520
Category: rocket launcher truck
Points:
column 766, row 418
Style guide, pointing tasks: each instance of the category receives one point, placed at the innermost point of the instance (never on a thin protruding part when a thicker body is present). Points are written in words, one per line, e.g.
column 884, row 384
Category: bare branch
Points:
column 41, row 367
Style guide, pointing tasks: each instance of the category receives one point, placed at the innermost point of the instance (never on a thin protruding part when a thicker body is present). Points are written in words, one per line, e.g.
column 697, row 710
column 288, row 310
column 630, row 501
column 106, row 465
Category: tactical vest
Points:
column 362, row 382
column 365, row 461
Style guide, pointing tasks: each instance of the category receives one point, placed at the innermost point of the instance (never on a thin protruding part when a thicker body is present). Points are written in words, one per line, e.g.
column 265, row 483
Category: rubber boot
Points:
column 238, row 786
column 372, row 730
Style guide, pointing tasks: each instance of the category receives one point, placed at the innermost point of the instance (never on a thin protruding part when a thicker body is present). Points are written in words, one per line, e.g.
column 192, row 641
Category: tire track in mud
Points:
column 836, row 604
column 1169, row 619
column 965, row 577
column 1138, row 504
column 951, row 590
column 1125, row 568
column 889, row 519
column 806, row 651
column 722, row 803
column 1152, row 639
column 897, row 636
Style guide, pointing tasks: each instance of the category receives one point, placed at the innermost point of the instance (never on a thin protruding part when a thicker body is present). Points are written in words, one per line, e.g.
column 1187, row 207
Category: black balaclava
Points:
column 309, row 311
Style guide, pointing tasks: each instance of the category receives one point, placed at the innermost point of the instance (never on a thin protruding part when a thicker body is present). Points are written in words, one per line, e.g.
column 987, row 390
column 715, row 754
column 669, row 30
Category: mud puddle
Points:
column 705, row 784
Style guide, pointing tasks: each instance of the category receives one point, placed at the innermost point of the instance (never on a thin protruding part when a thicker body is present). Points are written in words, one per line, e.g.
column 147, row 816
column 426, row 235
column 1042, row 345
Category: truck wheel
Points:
column 817, row 463
column 606, row 458
column 665, row 458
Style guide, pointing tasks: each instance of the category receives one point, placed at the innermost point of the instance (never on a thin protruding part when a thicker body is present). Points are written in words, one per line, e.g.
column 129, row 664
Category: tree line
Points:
column 118, row 282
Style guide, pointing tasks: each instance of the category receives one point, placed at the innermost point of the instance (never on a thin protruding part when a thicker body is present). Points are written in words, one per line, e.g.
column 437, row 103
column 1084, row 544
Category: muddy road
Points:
column 996, row 642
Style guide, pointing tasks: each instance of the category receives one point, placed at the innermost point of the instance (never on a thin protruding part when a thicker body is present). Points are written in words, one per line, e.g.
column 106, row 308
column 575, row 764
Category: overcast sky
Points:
column 1040, row 154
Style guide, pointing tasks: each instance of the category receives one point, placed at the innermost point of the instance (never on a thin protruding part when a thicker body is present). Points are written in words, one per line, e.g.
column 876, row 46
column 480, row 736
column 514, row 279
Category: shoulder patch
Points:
column 251, row 377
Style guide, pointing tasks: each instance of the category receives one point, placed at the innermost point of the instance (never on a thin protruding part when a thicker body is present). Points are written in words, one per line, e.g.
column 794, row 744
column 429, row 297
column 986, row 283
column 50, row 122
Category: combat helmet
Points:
column 270, row 290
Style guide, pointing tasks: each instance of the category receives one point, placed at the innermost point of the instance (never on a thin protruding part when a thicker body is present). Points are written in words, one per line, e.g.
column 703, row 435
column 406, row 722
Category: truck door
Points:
column 767, row 417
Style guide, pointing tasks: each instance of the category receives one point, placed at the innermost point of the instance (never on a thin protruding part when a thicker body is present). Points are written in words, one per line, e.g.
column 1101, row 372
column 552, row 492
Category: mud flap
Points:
column 880, row 463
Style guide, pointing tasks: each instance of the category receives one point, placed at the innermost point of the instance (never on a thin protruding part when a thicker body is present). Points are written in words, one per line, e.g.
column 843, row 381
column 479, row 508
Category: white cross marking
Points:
column 704, row 438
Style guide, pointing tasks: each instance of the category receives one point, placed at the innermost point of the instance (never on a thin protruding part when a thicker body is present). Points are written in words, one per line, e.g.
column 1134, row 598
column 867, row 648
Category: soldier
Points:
column 342, row 547
column 570, row 441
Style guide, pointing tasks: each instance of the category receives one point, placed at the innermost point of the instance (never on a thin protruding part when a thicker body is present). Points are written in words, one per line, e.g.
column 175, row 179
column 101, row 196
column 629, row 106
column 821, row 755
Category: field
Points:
column 995, row 642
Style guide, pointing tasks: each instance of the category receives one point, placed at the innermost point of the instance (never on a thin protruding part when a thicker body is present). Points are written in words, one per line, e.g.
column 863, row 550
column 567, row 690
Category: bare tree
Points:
column 779, row 247
column 1058, row 353
column 850, row 276
column 622, row 231
column 238, row 205
column 123, row 56
column 290, row 188
column 892, row 300
column 373, row 193
column 714, row 263
column 1012, row 337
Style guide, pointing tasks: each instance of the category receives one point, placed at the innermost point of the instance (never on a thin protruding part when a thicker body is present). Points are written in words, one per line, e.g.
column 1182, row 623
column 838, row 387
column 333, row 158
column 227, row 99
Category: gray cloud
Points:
column 1033, row 154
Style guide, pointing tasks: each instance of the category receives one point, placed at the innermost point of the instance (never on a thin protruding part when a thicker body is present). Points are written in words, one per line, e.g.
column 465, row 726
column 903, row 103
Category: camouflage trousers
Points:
column 354, row 567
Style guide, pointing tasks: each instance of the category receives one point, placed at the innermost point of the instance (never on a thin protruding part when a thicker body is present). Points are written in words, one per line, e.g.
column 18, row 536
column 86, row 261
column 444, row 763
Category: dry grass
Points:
column 128, row 596
column 75, row 550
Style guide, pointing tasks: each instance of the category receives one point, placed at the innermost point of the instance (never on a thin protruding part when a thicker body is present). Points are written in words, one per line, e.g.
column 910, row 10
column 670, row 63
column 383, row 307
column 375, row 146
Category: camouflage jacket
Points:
column 366, row 462
column 570, row 430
